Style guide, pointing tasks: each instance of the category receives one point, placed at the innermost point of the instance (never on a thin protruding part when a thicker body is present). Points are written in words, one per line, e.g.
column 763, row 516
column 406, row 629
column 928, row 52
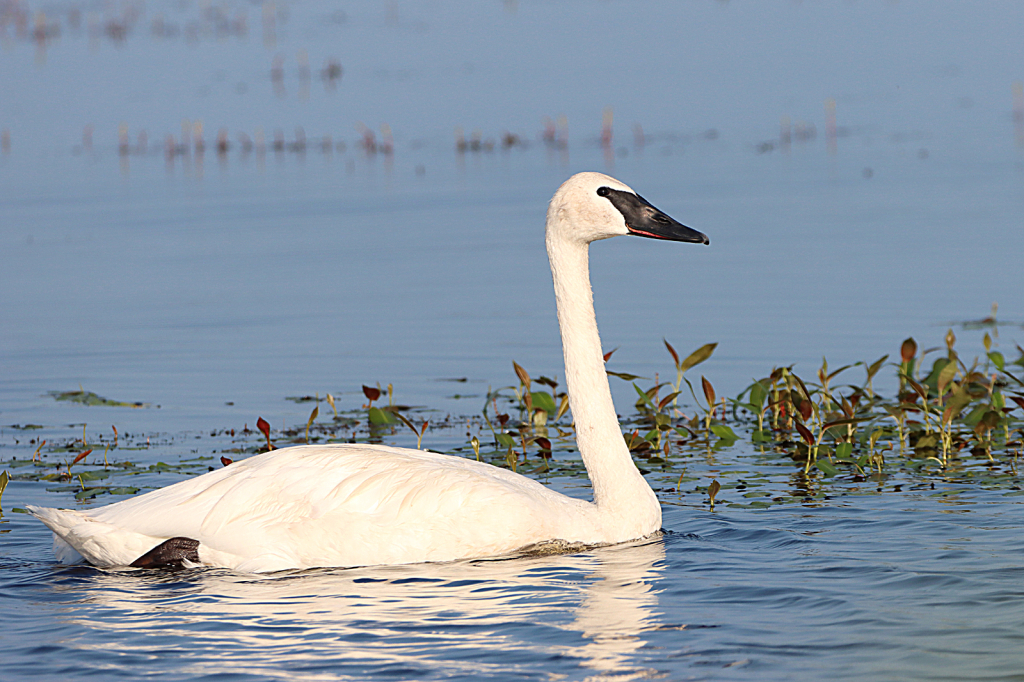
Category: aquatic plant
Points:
column 781, row 440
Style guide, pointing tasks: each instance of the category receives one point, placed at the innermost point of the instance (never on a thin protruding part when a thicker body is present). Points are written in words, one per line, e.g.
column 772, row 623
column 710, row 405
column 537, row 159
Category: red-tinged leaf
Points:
column 371, row 393
column 709, row 391
column 263, row 426
column 608, row 355
column 81, row 456
column 921, row 390
column 544, row 444
column 225, row 461
column 805, row 433
column 672, row 352
column 908, row 350
column 667, row 399
column 806, row 409
column 423, row 429
column 524, row 376
column 503, row 419
column 653, row 391
column 1019, row 401
column 713, row 490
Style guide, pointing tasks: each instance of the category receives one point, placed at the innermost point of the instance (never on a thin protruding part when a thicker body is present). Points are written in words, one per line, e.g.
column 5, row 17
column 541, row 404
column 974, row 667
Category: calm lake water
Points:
column 858, row 167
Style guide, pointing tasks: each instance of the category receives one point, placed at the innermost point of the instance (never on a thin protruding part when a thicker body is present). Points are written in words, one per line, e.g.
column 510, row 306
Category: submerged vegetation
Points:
column 785, row 438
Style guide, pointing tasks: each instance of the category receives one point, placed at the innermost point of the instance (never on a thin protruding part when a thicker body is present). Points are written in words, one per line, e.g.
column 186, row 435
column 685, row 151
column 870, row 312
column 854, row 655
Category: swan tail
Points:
column 76, row 536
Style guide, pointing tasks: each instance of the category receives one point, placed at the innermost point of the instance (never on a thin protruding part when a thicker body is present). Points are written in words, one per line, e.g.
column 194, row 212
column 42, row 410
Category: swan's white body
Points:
column 359, row 505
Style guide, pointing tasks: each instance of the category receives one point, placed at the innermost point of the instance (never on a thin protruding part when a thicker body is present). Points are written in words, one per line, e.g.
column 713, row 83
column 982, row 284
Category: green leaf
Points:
column 826, row 467
column 96, row 475
column 644, row 398
column 932, row 380
column 698, row 356
column 998, row 401
column 761, row 436
column 955, row 405
column 4, row 478
column 975, row 415
column 876, row 365
column 998, row 360
column 379, row 417
column 625, row 376
column 723, row 432
column 505, row 440
column 946, row 375
column 990, row 419
column 843, row 452
column 841, row 369
column 758, row 393
column 542, row 400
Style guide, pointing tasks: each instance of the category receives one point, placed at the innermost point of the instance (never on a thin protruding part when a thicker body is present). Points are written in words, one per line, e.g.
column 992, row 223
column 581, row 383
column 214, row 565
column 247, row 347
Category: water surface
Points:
column 214, row 285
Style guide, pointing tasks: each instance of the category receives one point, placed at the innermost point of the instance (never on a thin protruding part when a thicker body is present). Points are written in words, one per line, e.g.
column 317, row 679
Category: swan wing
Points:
column 338, row 505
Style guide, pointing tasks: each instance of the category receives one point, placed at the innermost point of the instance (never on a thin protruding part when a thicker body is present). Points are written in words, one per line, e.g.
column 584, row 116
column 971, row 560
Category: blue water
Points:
column 900, row 587
column 212, row 286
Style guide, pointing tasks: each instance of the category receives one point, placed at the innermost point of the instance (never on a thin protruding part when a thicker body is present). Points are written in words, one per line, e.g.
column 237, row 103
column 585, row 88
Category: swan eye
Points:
column 602, row 191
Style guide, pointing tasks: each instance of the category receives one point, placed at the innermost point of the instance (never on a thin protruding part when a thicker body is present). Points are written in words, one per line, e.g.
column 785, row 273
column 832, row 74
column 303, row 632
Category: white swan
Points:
column 361, row 505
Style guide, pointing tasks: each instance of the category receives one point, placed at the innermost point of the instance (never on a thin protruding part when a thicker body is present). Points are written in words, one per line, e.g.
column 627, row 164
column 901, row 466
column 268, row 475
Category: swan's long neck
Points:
column 620, row 492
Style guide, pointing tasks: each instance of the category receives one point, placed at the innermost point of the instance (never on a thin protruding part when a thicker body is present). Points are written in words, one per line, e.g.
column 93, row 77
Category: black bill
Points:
column 644, row 220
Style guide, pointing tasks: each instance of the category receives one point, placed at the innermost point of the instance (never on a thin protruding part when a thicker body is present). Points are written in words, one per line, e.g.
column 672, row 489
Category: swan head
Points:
column 592, row 206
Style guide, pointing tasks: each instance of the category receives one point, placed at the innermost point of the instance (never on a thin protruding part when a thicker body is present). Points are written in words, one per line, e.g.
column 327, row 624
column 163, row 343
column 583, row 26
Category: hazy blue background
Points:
column 247, row 277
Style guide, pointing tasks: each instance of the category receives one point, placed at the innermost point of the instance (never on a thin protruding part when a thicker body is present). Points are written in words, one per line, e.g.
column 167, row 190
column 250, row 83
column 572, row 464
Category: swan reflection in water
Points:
column 471, row 617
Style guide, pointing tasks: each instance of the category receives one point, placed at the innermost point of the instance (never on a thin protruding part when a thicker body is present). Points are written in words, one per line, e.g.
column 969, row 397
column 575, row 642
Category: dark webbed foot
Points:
column 170, row 553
